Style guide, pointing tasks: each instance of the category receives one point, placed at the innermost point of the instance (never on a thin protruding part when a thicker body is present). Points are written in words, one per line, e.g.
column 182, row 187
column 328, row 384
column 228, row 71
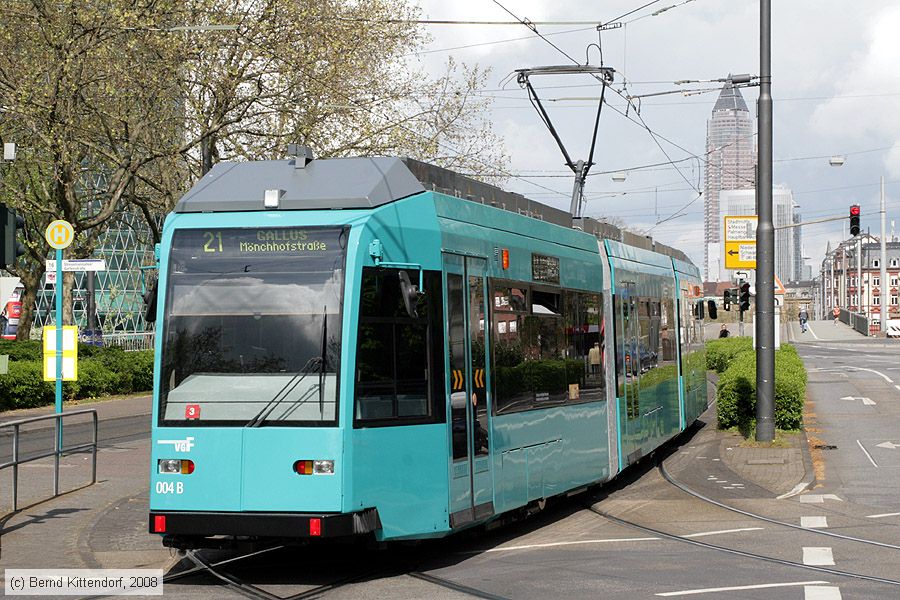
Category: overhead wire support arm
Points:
column 580, row 168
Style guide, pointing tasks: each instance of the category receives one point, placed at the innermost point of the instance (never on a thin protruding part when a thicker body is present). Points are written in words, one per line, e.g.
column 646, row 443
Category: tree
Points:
column 89, row 101
column 125, row 103
column 336, row 75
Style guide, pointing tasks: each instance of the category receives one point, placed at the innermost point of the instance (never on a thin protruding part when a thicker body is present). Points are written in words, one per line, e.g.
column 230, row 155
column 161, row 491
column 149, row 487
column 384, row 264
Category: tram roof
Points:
column 322, row 184
column 363, row 183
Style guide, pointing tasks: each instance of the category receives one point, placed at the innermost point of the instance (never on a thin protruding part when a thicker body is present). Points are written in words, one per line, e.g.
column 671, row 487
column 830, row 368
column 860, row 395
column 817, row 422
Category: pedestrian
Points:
column 724, row 333
column 837, row 314
column 594, row 358
column 804, row 317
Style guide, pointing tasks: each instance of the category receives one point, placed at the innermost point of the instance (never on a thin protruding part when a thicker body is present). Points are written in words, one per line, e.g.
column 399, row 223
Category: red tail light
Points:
column 159, row 523
column 315, row 527
column 303, row 467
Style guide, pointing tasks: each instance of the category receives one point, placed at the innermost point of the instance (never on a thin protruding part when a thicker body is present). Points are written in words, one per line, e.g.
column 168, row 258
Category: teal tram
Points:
column 381, row 347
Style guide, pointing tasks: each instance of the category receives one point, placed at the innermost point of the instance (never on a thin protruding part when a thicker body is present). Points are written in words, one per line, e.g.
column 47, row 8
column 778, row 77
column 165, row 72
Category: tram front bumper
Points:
column 266, row 525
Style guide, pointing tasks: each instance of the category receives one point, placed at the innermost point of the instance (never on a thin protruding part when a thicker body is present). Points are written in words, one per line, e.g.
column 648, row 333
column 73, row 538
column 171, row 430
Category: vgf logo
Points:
column 184, row 445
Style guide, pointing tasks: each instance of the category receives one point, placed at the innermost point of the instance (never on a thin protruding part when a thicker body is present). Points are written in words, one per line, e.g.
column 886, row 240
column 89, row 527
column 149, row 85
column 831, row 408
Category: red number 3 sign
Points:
column 192, row 411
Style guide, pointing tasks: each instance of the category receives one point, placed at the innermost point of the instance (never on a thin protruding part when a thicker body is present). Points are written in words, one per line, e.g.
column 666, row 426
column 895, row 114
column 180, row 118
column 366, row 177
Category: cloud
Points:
column 870, row 72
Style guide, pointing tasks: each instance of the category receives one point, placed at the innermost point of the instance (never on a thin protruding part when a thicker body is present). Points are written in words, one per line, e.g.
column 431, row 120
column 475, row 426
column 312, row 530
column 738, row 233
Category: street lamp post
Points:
column 765, row 241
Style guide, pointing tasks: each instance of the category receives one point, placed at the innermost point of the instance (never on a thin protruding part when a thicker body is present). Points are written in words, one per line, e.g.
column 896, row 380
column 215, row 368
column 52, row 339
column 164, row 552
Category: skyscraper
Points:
column 731, row 164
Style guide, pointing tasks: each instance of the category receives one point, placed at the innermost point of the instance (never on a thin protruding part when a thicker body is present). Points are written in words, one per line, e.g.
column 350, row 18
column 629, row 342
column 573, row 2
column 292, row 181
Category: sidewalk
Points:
column 88, row 526
column 824, row 331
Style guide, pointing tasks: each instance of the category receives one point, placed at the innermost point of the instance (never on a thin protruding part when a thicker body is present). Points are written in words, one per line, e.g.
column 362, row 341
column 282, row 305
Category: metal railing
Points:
column 857, row 321
column 58, row 449
column 130, row 341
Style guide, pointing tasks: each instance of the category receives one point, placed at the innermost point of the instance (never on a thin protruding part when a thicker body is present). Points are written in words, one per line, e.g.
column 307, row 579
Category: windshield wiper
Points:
column 299, row 376
column 283, row 393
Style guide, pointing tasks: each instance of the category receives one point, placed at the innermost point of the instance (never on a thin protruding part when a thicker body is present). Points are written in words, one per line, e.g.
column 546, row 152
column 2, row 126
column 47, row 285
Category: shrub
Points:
column 24, row 350
column 721, row 352
column 101, row 371
column 24, row 386
column 736, row 397
column 96, row 379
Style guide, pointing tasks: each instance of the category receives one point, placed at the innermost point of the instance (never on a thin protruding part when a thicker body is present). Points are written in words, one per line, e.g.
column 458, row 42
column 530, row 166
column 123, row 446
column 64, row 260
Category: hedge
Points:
column 736, row 394
column 720, row 352
column 101, row 371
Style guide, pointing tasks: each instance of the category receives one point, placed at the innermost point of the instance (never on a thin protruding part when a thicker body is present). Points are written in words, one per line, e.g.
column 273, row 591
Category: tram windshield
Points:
column 252, row 330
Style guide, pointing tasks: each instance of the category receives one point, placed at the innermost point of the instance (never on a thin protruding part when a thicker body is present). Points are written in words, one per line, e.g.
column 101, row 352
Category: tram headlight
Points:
column 314, row 467
column 323, row 467
column 168, row 465
column 174, row 466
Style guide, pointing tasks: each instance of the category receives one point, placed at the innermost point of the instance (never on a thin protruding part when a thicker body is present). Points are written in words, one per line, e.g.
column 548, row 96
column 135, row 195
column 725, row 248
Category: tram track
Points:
column 670, row 480
column 240, row 586
column 742, row 553
column 691, row 492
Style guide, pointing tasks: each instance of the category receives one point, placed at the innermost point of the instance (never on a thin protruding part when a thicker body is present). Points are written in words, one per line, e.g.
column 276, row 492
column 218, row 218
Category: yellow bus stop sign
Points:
column 59, row 234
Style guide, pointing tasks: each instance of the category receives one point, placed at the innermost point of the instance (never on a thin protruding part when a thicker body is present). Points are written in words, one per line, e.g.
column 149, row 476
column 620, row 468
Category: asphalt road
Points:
column 38, row 438
column 641, row 537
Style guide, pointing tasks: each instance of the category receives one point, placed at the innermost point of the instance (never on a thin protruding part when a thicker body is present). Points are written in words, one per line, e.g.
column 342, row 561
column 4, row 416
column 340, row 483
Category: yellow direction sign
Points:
column 740, row 242
column 59, row 234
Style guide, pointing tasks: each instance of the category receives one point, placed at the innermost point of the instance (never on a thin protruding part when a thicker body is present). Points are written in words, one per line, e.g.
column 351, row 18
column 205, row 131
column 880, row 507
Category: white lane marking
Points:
column 866, row 452
column 817, row 556
column 739, row 588
column 810, row 329
column 574, row 543
column 821, row 592
column 880, row 374
column 706, row 533
column 882, row 515
column 797, row 489
column 818, row 498
column 814, row 522
column 897, row 386
column 610, row 540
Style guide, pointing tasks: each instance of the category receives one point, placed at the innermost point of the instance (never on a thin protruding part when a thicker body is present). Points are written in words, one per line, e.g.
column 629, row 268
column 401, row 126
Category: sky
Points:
column 835, row 85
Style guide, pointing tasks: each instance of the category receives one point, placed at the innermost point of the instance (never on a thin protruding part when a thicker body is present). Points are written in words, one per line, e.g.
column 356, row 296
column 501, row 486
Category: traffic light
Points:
column 745, row 297
column 729, row 297
column 854, row 219
column 10, row 248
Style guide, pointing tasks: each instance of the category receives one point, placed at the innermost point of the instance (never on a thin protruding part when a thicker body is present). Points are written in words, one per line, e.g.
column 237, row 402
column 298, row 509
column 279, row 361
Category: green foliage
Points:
column 101, row 371
column 736, row 398
column 721, row 352
column 24, row 386
column 24, row 350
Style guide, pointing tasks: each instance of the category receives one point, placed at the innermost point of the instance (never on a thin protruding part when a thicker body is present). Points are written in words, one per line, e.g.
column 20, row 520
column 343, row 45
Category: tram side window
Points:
column 550, row 354
column 667, row 329
column 399, row 359
column 512, row 391
column 585, row 347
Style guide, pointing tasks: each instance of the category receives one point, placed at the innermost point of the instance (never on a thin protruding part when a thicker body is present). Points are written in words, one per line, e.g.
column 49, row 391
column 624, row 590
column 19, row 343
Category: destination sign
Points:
column 545, row 268
column 281, row 241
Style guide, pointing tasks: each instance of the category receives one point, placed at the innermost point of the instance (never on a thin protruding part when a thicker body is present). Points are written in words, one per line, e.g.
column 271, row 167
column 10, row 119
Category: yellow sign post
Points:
column 740, row 242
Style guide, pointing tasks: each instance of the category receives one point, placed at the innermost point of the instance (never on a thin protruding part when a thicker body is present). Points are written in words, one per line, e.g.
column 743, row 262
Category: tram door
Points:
column 468, row 343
